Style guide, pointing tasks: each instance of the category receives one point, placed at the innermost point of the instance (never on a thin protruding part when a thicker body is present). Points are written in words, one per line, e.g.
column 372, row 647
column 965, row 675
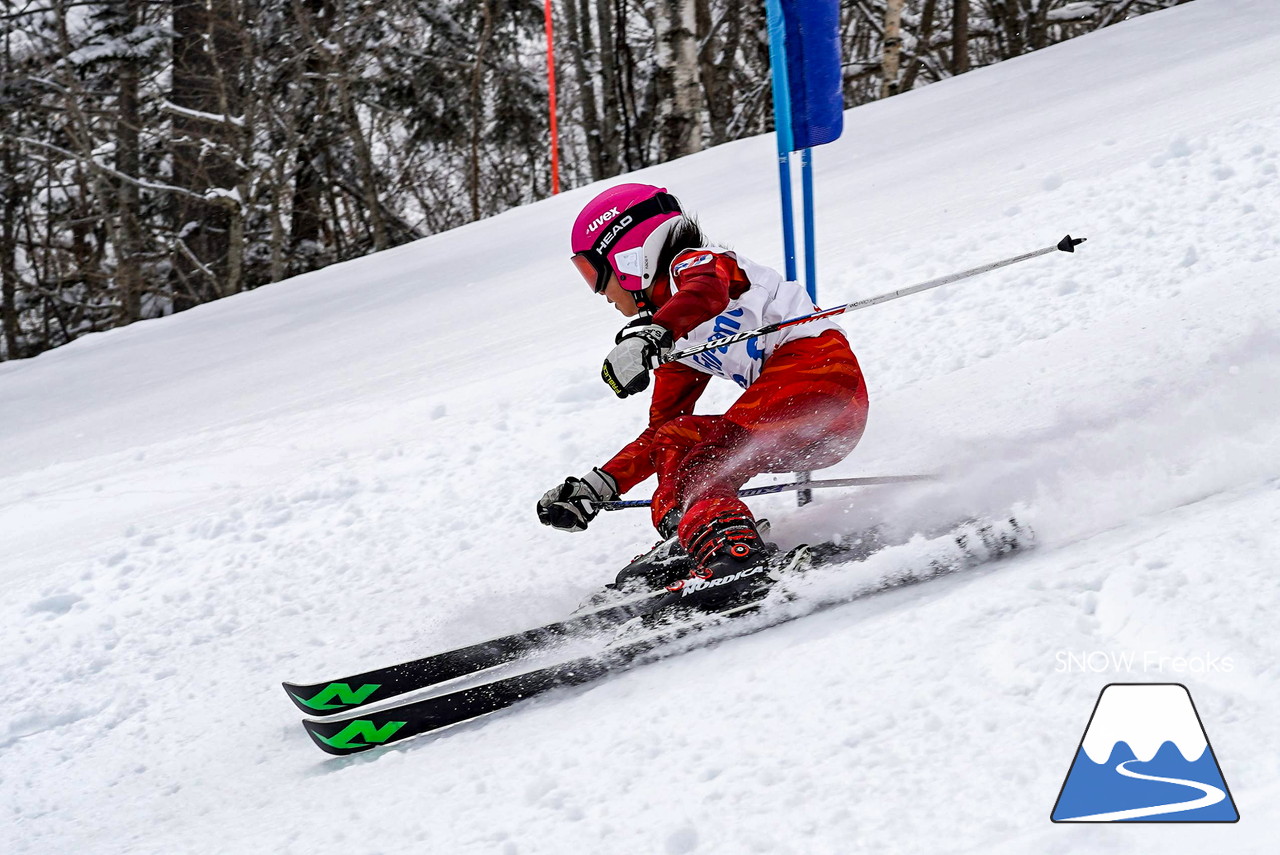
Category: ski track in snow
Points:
column 339, row 471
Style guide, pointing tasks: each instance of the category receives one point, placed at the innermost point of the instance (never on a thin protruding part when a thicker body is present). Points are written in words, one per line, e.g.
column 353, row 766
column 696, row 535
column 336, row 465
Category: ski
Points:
column 373, row 728
column 965, row 547
column 606, row 610
column 339, row 695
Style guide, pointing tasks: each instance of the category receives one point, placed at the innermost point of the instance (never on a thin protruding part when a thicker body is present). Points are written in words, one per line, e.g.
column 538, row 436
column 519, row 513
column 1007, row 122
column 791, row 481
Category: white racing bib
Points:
column 769, row 299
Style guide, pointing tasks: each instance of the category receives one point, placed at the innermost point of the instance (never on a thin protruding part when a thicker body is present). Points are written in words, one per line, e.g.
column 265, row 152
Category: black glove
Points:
column 577, row 501
column 641, row 347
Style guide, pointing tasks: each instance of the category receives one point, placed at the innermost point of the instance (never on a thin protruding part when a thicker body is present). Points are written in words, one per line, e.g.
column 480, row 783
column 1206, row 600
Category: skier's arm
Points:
column 676, row 389
column 703, row 283
column 701, row 286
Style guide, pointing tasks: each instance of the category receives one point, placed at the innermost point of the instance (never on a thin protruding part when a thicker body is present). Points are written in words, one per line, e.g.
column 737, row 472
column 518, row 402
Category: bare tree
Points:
column 582, row 54
column 128, row 162
column 892, row 47
column 610, row 136
column 14, row 195
column 960, row 37
column 677, row 77
column 204, row 110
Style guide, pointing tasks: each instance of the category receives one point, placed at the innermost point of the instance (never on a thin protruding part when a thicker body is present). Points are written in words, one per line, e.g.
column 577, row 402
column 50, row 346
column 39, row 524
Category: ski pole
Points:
column 1067, row 244
column 792, row 485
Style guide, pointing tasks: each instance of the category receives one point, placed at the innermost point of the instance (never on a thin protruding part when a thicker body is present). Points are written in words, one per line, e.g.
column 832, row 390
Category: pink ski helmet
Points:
column 622, row 231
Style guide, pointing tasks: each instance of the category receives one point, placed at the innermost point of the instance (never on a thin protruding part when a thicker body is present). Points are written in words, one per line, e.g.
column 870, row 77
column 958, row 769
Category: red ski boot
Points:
column 732, row 566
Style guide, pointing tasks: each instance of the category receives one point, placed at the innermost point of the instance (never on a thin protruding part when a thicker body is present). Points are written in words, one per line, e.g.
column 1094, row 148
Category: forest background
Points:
column 159, row 154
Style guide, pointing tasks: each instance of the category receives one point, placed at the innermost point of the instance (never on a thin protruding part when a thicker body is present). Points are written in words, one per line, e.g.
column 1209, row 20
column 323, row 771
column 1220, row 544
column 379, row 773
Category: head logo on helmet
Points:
column 618, row 228
column 639, row 218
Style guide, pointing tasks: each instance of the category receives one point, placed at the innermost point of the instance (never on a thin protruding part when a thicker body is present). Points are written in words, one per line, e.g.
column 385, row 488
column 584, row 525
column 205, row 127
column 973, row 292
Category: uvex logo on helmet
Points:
column 602, row 219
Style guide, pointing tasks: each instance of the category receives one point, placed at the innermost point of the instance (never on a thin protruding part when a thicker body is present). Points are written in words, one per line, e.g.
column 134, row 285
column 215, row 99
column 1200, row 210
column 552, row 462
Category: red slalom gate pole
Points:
column 551, row 87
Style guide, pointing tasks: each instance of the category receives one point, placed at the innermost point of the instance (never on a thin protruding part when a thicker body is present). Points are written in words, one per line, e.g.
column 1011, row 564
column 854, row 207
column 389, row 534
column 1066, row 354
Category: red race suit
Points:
column 805, row 401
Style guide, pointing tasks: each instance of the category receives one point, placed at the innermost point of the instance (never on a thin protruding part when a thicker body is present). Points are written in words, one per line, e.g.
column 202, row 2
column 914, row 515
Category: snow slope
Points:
column 339, row 471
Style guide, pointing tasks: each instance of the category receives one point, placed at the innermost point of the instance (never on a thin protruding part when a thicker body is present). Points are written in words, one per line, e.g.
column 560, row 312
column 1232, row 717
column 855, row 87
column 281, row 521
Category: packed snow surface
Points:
column 339, row 471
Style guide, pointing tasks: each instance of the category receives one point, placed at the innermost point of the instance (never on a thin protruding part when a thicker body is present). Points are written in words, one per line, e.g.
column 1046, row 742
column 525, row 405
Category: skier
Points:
column 804, row 404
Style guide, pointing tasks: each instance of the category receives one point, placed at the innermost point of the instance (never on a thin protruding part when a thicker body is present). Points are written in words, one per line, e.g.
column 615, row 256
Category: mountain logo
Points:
column 1144, row 757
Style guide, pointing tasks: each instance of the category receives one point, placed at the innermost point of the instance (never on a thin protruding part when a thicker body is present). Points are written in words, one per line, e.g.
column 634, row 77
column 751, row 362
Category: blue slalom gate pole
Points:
column 782, row 128
column 785, row 143
column 805, row 64
column 810, row 254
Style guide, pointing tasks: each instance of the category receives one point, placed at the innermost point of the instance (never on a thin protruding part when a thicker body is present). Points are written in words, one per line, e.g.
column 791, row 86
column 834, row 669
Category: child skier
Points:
column 804, row 404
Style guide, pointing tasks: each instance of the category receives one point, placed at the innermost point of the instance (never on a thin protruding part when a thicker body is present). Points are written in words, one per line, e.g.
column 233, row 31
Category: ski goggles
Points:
column 593, row 264
column 593, row 268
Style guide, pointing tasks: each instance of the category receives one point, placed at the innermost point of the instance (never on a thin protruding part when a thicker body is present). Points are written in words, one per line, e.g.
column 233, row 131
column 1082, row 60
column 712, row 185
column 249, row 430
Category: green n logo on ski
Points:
column 342, row 693
column 361, row 729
